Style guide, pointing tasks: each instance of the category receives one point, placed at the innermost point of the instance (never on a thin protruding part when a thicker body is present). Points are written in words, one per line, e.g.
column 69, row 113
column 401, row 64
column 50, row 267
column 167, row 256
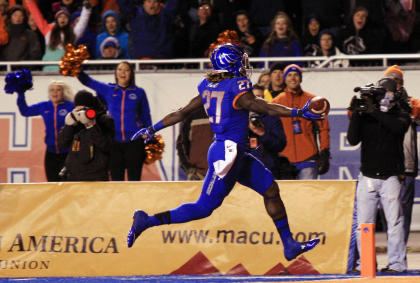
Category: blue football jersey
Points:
column 227, row 121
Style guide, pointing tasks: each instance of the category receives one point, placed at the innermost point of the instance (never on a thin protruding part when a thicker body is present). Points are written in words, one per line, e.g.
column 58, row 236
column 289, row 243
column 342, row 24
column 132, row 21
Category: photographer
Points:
column 267, row 139
column 89, row 132
column 410, row 147
column 378, row 121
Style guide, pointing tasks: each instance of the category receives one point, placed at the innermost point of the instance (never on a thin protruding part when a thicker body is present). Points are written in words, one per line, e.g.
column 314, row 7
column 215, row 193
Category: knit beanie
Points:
column 394, row 71
column 85, row 98
column 292, row 68
column 62, row 10
column 277, row 66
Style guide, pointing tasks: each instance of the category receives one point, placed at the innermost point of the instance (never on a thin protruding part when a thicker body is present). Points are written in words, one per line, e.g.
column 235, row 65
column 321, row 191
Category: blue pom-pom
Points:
column 19, row 81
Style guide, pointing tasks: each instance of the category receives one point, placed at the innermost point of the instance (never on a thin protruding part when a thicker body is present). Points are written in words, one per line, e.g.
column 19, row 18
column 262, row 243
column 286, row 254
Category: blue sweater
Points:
column 151, row 36
column 121, row 35
column 281, row 48
column 53, row 115
column 128, row 106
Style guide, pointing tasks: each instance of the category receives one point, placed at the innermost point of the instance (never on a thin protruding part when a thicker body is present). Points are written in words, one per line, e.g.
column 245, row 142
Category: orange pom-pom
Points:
column 70, row 64
column 227, row 36
column 154, row 150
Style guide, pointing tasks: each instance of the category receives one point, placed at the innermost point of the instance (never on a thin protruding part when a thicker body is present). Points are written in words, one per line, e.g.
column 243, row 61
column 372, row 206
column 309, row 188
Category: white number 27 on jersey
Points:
column 218, row 95
column 244, row 84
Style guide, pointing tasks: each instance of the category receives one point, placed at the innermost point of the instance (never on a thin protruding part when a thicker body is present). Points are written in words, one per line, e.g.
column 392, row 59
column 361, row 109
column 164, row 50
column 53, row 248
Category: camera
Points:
column 360, row 102
column 255, row 119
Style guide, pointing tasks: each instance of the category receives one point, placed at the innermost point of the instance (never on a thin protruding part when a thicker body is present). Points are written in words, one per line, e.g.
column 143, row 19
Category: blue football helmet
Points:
column 229, row 57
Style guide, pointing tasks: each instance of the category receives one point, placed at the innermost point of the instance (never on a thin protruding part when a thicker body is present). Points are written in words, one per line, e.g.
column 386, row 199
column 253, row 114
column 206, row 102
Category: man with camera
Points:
column 88, row 132
column 379, row 121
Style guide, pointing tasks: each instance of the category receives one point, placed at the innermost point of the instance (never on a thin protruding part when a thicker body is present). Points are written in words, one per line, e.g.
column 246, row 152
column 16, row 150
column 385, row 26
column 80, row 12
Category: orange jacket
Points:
column 4, row 35
column 301, row 146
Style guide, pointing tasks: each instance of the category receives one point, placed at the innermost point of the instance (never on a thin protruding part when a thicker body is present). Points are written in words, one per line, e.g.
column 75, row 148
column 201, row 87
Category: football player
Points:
column 226, row 95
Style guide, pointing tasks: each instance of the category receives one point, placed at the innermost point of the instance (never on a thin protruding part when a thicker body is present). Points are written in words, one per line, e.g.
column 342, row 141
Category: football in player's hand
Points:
column 319, row 105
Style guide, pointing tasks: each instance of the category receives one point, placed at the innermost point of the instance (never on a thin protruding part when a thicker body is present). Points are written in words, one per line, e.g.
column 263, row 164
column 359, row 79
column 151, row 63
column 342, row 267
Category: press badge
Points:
column 297, row 129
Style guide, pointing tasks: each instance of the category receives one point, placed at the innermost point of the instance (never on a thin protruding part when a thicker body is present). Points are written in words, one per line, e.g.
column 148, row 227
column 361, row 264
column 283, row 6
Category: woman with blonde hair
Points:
column 53, row 112
column 282, row 40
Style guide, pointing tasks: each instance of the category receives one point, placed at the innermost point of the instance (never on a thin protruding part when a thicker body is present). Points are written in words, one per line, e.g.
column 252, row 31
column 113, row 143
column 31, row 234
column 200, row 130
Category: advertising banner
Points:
column 80, row 229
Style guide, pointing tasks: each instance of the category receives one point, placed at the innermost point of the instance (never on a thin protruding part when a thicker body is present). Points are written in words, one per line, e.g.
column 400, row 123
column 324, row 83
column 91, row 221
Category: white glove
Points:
column 89, row 123
column 71, row 119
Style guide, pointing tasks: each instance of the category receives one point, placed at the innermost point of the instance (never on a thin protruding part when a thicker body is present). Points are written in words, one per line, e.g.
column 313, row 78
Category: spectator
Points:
column 151, row 26
column 357, row 37
column 39, row 35
column 88, row 132
column 250, row 38
column 23, row 43
column 59, row 33
column 88, row 37
column 193, row 142
column 383, row 122
column 328, row 48
column 111, row 26
column 282, row 40
column 53, row 113
column 310, row 38
column 400, row 20
column 267, row 138
column 110, row 49
column 264, row 79
column 276, row 84
column 3, row 8
column 203, row 32
column 410, row 148
column 302, row 148
column 129, row 107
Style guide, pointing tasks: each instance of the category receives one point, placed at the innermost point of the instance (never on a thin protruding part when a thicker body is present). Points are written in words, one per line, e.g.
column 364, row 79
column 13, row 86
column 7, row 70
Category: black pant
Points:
column 130, row 156
column 53, row 164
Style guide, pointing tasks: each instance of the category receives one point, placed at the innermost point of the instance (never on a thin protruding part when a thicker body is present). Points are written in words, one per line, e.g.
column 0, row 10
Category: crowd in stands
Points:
column 164, row 29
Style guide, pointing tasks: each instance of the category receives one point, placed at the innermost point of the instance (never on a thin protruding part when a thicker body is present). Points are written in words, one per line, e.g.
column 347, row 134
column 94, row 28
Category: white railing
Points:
column 202, row 62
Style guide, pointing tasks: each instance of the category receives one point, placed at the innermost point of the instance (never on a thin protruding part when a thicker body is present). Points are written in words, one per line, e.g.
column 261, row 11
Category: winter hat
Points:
column 15, row 8
column 394, row 71
column 292, row 68
column 85, row 98
column 277, row 66
column 108, row 42
column 62, row 10
column 74, row 16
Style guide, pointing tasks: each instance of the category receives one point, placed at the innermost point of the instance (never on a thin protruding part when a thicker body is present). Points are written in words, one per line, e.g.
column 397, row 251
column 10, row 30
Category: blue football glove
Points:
column 146, row 133
column 304, row 113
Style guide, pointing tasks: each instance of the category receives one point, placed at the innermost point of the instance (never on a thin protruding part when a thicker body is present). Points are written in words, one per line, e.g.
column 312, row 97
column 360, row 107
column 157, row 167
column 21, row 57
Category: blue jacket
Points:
column 53, row 115
column 281, row 48
column 272, row 143
column 151, row 36
column 128, row 106
column 121, row 35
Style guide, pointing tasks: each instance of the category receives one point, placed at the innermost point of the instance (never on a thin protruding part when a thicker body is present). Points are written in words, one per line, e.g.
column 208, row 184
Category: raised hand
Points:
column 305, row 113
column 146, row 133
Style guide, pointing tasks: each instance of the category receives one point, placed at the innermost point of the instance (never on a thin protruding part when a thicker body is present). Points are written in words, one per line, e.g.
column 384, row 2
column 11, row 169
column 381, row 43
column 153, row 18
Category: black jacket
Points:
column 88, row 158
column 381, row 136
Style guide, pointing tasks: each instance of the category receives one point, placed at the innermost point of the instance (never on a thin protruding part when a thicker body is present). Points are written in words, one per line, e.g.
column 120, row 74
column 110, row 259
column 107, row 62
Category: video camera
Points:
column 372, row 92
column 255, row 119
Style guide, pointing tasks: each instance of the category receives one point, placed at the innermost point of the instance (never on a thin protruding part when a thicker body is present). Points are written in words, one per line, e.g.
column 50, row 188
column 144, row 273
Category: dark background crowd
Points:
column 154, row 29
